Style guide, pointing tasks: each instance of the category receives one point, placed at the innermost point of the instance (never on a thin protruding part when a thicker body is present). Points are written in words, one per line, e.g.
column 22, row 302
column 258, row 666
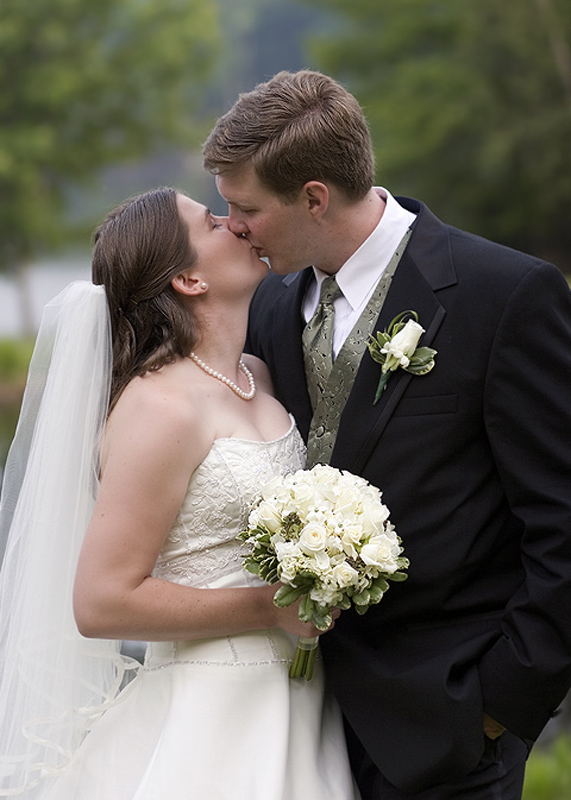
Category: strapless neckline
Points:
column 258, row 441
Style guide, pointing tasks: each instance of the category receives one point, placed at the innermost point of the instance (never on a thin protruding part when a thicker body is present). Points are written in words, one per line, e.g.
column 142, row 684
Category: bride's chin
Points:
column 262, row 267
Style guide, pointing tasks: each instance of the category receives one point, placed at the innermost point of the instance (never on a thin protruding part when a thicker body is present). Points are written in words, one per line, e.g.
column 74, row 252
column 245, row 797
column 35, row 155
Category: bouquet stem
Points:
column 304, row 658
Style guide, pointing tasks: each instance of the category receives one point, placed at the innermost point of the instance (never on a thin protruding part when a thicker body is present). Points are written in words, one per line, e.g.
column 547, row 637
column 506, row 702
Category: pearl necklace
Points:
column 231, row 385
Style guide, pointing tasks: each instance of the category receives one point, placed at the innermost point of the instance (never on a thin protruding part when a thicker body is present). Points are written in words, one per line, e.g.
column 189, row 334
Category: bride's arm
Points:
column 155, row 440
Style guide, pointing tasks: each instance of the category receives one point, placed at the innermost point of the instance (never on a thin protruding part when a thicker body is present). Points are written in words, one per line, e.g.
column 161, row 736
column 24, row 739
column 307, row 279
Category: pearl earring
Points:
column 203, row 285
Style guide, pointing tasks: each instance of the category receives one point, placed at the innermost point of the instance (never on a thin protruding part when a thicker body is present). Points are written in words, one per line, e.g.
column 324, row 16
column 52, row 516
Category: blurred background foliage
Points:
column 84, row 84
column 548, row 774
column 469, row 103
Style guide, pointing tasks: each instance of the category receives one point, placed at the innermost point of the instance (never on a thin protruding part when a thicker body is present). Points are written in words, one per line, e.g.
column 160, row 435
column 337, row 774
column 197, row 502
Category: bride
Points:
column 145, row 436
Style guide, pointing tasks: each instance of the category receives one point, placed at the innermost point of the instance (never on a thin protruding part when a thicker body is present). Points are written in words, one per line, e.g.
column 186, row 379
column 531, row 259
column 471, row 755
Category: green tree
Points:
column 470, row 107
column 84, row 84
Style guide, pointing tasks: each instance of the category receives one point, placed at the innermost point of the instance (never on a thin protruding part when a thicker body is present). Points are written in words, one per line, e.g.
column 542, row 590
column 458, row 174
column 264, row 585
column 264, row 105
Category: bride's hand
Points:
column 288, row 618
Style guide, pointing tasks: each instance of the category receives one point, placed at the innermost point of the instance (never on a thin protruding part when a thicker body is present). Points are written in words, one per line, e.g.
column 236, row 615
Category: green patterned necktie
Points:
column 317, row 338
column 327, row 412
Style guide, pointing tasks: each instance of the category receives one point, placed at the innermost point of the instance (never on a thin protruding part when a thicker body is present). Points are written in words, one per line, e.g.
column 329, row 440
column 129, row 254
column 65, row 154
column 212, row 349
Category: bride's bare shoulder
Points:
column 163, row 390
column 161, row 405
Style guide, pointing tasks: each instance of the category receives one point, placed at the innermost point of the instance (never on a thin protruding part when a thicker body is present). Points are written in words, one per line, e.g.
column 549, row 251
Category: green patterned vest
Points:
column 327, row 414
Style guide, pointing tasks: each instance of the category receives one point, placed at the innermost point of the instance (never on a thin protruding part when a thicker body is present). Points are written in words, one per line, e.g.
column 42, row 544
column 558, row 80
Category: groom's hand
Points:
column 492, row 729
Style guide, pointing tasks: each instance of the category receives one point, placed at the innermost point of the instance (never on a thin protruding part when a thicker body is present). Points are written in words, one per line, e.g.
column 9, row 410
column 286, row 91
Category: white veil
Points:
column 53, row 682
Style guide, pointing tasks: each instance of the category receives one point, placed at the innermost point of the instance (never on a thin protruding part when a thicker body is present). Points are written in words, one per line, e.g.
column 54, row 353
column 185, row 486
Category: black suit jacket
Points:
column 474, row 462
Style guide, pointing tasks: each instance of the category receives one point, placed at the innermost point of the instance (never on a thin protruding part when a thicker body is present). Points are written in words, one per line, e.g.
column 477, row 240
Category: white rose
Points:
column 402, row 345
column 267, row 515
column 277, row 491
column 351, row 537
column 374, row 516
column 313, row 538
column 303, row 498
column 321, row 561
column 324, row 475
column 344, row 575
column 348, row 501
column 382, row 552
column 354, row 482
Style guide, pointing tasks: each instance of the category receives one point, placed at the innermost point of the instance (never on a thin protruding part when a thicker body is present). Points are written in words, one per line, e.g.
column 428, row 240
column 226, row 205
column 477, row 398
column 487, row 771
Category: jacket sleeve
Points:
column 527, row 411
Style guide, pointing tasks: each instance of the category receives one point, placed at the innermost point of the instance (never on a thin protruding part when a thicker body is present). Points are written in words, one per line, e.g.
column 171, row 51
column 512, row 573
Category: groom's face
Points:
column 279, row 231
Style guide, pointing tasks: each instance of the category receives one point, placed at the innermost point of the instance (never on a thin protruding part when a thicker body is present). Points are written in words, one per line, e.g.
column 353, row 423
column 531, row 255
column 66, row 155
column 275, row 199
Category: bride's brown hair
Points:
column 138, row 249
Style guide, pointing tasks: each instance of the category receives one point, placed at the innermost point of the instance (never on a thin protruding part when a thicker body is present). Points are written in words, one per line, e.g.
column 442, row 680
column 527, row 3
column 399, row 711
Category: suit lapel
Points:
column 362, row 423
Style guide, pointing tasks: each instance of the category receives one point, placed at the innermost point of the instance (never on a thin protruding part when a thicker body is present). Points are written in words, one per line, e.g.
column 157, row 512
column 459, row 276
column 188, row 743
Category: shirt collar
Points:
column 361, row 272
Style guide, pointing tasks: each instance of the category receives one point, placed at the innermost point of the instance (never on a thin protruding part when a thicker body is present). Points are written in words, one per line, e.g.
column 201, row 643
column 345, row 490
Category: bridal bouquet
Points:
column 326, row 535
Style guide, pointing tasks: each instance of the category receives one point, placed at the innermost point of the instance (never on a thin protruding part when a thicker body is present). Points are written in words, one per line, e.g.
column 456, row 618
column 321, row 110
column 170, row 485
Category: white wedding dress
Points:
column 217, row 719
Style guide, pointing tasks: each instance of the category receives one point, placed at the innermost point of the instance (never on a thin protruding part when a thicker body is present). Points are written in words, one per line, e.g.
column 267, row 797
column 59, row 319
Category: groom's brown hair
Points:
column 295, row 128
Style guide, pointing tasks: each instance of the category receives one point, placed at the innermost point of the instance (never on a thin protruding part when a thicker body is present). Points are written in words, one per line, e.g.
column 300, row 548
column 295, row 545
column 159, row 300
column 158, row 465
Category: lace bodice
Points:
column 201, row 545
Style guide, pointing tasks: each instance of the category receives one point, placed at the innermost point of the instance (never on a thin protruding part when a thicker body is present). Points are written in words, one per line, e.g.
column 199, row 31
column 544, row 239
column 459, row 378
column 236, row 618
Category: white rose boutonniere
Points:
column 397, row 347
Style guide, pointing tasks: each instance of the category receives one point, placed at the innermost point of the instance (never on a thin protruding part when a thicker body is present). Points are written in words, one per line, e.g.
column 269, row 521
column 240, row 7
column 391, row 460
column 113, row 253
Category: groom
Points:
column 446, row 683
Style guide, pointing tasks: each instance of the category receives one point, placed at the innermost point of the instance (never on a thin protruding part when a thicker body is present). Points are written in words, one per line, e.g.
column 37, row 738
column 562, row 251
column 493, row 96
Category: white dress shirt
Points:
column 359, row 275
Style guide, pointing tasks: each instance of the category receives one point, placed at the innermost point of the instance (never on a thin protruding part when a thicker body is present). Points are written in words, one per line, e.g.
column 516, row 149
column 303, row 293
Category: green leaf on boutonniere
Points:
column 422, row 361
column 397, row 347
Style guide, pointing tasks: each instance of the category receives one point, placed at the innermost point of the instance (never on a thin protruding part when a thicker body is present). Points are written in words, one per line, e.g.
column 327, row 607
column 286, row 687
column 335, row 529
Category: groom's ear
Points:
column 315, row 195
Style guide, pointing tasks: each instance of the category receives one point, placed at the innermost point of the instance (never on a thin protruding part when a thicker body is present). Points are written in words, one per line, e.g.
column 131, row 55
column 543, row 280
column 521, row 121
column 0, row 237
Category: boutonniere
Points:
column 397, row 347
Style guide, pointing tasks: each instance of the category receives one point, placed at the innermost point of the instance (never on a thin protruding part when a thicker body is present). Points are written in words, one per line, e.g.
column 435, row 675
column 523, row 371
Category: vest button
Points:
column 320, row 431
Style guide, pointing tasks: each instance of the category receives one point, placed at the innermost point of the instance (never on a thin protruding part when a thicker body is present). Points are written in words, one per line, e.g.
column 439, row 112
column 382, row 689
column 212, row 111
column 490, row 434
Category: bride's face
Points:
column 223, row 259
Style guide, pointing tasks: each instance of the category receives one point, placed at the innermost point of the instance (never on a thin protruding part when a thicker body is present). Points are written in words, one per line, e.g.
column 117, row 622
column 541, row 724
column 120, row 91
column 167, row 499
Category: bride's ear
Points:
column 189, row 283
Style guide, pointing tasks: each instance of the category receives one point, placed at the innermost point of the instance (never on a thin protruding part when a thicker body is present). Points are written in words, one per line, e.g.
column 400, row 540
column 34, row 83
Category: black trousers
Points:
column 498, row 776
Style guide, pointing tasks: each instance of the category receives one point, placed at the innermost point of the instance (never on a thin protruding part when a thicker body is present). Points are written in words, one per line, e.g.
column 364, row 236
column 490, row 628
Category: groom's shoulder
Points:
column 275, row 284
column 276, row 288
column 463, row 244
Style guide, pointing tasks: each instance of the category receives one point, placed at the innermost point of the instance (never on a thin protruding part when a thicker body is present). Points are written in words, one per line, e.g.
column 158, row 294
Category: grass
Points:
column 548, row 773
column 15, row 356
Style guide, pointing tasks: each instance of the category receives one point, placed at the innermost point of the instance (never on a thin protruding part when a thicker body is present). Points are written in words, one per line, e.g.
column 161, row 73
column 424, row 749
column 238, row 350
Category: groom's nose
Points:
column 237, row 223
